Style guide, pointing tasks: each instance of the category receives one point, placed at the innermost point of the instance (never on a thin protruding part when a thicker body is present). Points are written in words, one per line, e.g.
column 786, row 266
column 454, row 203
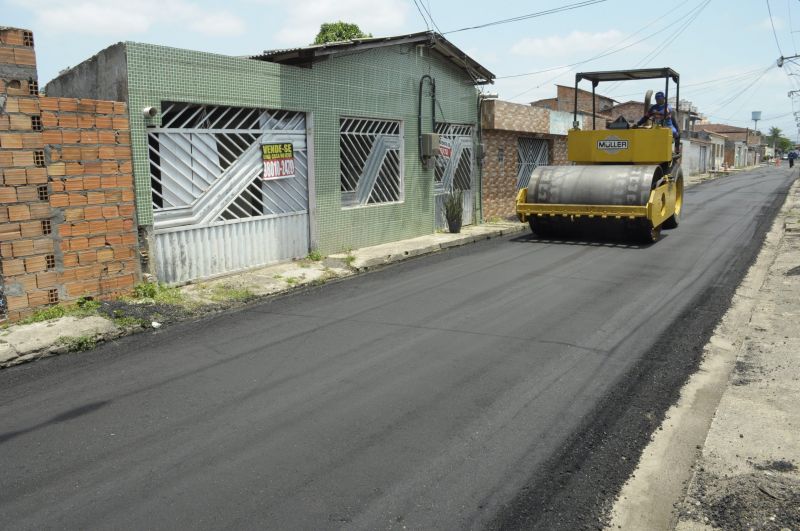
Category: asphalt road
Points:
column 496, row 385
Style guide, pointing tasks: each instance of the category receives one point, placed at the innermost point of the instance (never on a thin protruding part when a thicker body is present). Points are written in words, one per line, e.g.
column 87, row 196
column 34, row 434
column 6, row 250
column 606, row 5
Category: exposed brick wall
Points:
column 632, row 111
column 499, row 185
column 67, row 226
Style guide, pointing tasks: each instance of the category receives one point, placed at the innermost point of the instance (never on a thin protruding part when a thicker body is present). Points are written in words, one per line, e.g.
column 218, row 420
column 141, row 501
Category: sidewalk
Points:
column 731, row 445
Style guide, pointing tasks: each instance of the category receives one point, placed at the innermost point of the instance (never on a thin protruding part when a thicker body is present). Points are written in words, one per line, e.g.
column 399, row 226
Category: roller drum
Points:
column 593, row 185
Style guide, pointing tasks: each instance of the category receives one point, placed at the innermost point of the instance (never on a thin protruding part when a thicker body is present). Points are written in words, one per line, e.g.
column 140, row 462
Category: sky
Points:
column 726, row 51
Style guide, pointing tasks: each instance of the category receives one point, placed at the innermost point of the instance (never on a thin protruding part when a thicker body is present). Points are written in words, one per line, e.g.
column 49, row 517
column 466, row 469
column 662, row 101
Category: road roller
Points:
column 625, row 174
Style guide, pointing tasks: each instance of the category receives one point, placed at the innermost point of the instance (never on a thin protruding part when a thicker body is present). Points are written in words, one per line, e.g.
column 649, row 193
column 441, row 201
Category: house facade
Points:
column 240, row 162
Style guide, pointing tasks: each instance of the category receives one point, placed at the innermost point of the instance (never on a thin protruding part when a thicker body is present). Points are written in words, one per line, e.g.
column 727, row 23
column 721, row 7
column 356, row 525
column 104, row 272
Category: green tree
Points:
column 773, row 136
column 784, row 144
column 339, row 31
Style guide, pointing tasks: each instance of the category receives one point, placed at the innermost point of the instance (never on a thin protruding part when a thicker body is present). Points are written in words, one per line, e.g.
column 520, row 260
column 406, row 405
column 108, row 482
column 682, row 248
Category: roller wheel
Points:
column 541, row 227
column 673, row 221
column 648, row 234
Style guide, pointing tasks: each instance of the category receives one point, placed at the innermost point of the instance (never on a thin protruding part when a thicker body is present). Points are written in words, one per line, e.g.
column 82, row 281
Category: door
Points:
column 453, row 170
column 229, row 189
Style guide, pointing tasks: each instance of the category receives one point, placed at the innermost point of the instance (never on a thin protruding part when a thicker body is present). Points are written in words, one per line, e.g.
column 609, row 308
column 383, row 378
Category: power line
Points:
column 427, row 26
column 773, row 29
column 529, row 16
column 428, row 11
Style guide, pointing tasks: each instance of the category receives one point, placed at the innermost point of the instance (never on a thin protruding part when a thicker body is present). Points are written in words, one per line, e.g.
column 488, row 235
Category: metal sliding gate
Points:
column 531, row 152
column 454, row 169
column 229, row 189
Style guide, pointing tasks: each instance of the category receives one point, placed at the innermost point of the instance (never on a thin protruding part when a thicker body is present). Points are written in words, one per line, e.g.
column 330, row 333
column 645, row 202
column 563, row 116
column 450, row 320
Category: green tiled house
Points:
column 241, row 162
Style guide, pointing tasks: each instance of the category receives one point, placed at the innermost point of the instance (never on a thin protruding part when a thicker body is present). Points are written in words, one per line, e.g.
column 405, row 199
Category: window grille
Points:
column 370, row 161
column 531, row 152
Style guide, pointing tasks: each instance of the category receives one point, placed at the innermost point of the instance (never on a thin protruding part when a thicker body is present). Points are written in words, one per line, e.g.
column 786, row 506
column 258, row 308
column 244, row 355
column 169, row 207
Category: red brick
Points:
column 48, row 104
column 88, row 137
column 71, row 137
column 68, row 104
column 73, row 214
column 107, row 137
column 5, row 123
column 73, row 184
column 103, row 122
column 30, row 229
column 6, row 159
column 127, row 196
column 96, row 198
column 90, row 153
column 19, row 212
column 35, row 264
column 127, row 225
column 70, row 259
column 93, row 167
column 36, row 175
column 108, row 182
column 79, row 229
column 105, row 107
column 97, row 227
column 76, row 199
column 20, row 122
column 23, row 158
column 74, row 168
column 27, row 282
column 110, row 212
column 11, row 141
column 33, row 141
column 27, row 194
column 43, row 245
column 120, row 108
column 87, row 257
column 91, row 183
column 76, row 244
column 65, row 121
column 13, row 267
column 96, row 242
column 52, row 137
column 41, row 210
column 57, row 169
column 93, row 212
column 126, row 211
column 125, row 167
column 68, row 275
column 114, row 196
column 12, row 37
column 71, row 153
column 25, row 56
column 129, row 238
column 123, row 153
column 105, row 255
column 10, row 232
column 15, row 176
column 85, row 121
column 115, row 225
column 12, row 105
column 22, row 248
column 16, row 302
column 8, row 194
column 48, row 279
column 59, row 200
column 28, row 105
column 113, row 239
column 38, row 298
column 57, row 185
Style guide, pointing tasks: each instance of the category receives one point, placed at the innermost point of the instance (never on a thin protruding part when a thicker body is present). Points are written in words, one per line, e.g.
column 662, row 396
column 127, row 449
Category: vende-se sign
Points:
column 278, row 160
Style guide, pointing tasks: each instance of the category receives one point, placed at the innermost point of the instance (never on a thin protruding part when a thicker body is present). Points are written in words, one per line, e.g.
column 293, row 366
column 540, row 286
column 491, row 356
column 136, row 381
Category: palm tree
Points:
column 774, row 134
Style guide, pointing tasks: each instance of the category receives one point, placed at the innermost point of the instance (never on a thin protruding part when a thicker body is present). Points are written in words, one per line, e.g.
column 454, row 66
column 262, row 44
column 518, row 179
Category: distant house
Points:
column 565, row 101
column 743, row 146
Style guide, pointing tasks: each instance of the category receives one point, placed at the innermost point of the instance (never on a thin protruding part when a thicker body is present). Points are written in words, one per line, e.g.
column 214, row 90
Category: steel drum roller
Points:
column 593, row 184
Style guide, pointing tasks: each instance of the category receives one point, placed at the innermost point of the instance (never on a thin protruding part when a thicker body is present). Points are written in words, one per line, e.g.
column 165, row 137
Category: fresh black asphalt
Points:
column 506, row 384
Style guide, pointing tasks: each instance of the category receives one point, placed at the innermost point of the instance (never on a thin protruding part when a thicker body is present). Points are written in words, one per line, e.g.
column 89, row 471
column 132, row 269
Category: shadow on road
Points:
column 62, row 417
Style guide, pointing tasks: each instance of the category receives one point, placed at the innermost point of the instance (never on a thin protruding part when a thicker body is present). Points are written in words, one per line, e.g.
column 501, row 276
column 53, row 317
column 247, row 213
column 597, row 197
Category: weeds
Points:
column 158, row 293
column 315, row 256
column 82, row 308
column 79, row 343
column 227, row 293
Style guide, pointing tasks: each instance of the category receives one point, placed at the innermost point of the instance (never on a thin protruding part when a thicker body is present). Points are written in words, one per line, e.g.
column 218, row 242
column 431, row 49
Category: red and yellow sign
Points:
column 278, row 160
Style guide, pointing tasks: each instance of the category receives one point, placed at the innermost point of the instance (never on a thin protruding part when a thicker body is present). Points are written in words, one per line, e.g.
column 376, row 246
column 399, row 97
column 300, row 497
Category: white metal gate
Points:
column 531, row 152
column 453, row 169
column 218, row 205
column 703, row 163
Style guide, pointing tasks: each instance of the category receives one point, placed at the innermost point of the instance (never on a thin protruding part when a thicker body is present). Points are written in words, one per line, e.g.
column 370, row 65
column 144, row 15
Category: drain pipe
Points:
column 419, row 111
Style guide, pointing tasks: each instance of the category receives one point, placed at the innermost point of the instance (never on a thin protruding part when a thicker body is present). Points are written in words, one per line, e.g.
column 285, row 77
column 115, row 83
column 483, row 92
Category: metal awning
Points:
column 628, row 75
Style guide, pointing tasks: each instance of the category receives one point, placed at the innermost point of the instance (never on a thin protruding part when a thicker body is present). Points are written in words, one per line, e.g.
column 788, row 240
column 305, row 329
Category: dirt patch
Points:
column 793, row 272
column 762, row 500
column 781, row 465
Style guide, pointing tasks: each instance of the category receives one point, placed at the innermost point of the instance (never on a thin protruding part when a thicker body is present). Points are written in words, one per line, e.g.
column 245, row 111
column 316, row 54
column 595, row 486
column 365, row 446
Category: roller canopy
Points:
column 626, row 75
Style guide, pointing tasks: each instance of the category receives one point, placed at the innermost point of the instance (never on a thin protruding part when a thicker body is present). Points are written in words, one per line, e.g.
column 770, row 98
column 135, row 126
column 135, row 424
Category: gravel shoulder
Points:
column 727, row 454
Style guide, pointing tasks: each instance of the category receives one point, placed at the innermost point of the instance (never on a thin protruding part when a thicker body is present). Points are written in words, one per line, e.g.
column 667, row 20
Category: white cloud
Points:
column 766, row 24
column 99, row 17
column 575, row 42
column 379, row 17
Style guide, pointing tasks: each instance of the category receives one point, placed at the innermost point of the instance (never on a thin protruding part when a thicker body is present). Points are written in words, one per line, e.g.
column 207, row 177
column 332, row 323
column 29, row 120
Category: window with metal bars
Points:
column 370, row 161
column 531, row 152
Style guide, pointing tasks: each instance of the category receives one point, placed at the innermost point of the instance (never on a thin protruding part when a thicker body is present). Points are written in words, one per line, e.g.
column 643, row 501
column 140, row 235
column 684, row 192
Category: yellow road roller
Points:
column 627, row 174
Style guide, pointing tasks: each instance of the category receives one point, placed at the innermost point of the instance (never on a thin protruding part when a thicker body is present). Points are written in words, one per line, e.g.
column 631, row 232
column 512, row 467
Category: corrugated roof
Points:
column 307, row 55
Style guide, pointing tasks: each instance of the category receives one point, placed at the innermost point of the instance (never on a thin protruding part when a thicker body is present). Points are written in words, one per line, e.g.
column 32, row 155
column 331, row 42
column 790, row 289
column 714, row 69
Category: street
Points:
column 496, row 385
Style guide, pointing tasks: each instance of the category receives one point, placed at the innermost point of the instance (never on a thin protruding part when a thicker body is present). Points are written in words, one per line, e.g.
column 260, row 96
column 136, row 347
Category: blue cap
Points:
column 659, row 95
